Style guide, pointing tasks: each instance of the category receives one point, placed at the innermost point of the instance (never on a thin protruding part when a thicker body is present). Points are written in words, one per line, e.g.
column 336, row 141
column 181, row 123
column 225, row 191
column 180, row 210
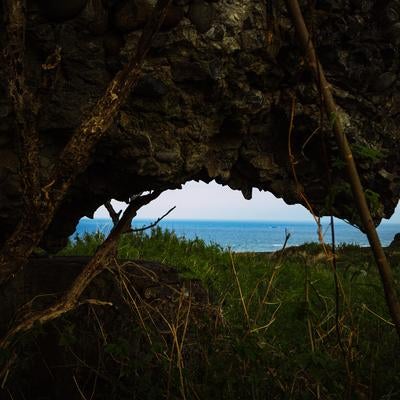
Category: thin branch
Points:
column 75, row 157
column 98, row 260
column 144, row 228
column 354, row 178
column 113, row 214
column 78, row 150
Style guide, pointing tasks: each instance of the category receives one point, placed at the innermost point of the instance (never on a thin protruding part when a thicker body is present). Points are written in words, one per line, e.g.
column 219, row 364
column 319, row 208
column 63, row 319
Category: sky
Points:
column 198, row 200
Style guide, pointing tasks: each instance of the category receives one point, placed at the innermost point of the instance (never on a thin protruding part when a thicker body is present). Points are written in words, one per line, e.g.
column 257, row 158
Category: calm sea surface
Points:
column 251, row 235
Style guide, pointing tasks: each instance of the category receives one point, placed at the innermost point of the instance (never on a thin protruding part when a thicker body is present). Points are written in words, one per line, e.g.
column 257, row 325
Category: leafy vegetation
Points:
column 280, row 334
column 368, row 153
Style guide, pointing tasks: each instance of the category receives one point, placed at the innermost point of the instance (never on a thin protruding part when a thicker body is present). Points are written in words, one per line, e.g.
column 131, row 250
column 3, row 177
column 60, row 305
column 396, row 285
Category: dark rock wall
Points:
column 214, row 101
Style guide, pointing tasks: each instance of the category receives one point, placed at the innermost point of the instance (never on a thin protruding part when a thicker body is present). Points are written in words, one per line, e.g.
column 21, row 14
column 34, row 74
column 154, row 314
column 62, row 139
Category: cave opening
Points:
column 220, row 215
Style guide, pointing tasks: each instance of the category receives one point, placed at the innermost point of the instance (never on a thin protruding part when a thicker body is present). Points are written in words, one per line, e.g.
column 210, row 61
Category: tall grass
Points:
column 279, row 335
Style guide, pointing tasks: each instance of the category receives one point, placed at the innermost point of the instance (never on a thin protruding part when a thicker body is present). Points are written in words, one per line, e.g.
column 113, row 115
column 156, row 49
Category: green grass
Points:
column 278, row 338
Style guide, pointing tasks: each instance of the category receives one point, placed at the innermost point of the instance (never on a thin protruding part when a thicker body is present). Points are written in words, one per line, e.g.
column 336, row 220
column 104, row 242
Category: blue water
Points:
column 252, row 235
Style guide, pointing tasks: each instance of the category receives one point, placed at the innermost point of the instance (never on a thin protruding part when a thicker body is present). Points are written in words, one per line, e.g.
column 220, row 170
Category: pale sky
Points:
column 198, row 200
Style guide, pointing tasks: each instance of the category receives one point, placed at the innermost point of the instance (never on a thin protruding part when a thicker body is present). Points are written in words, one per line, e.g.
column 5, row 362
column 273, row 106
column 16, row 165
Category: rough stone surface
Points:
column 395, row 244
column 214, row 102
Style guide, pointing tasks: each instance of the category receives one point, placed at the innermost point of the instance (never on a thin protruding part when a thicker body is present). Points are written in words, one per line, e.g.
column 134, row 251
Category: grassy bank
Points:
column 282, row 331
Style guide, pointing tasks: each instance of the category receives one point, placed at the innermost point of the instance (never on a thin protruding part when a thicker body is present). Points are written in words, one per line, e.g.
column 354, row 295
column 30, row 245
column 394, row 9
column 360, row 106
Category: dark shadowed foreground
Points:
column 250, row 326
column 221, row 92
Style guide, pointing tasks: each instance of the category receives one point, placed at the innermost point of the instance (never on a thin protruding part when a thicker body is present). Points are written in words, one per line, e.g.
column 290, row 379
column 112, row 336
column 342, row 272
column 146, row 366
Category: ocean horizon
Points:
column 250, row 235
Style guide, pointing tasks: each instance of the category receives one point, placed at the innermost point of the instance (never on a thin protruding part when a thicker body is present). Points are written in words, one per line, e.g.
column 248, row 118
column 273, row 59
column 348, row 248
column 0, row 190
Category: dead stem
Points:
column 354, row 178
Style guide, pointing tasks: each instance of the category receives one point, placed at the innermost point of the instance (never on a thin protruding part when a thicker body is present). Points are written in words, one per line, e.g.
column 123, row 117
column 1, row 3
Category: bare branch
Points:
column 113, row 214
column 96, row 265
column 152, row 225
column 76, row 153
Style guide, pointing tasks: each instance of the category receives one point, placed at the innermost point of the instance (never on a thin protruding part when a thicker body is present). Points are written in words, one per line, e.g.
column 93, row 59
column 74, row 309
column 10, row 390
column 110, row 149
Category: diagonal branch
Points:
column 77, row 152
column 153, row 224
column 76, row 155
column 96, row 265
column 113, row 214
column 355, row 182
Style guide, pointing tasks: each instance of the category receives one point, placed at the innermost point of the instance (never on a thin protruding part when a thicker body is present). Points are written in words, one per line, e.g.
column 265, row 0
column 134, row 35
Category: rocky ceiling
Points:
column 214, row 102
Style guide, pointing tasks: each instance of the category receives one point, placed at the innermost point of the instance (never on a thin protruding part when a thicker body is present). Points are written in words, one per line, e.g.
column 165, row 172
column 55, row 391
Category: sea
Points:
column 257, row 236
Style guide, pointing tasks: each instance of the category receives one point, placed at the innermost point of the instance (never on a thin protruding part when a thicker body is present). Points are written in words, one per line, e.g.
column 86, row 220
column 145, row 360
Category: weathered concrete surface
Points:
column 214, row 102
